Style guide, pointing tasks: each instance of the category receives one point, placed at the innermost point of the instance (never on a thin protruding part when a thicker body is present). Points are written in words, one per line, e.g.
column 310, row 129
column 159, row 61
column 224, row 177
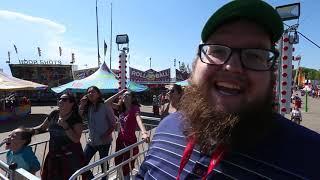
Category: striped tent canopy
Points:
column 9, row 83
column 103, row 78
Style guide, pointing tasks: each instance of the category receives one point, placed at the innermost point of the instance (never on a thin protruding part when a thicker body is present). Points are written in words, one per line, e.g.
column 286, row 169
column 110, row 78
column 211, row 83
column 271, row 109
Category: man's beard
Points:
column 210, row 126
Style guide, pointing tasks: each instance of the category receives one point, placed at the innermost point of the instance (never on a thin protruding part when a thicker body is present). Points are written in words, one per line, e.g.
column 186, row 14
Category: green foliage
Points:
column 312, row 74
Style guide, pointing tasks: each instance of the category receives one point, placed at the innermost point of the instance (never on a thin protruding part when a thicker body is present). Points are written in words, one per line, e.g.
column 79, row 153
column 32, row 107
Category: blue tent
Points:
column 103, row 78
column 183, row 83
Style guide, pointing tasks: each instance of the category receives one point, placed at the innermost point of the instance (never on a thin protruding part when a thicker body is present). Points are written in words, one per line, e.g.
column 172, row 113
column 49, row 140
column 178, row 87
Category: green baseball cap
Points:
column 257, row 11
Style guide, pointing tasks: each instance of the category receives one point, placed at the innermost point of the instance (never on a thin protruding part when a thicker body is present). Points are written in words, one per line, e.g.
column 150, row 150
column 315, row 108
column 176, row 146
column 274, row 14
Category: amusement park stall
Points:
column 13, row 106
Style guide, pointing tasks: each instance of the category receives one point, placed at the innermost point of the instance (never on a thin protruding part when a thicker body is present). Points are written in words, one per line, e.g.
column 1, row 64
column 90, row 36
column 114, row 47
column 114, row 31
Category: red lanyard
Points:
column 216, row 157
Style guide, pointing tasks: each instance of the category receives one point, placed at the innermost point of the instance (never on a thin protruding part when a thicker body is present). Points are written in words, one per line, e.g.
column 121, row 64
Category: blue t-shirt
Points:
column 25, row 158
column 291, row 151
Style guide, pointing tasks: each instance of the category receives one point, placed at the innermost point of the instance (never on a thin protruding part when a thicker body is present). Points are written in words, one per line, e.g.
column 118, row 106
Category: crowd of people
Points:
column 296, row 115
column 167, row 102
column 65, row 127
column 10, row 102
column 221, row 126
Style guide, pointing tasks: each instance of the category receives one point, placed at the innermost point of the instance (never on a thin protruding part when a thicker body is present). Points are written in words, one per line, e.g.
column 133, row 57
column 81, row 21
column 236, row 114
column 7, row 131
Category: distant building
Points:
column 83, row 73
column 49, row 74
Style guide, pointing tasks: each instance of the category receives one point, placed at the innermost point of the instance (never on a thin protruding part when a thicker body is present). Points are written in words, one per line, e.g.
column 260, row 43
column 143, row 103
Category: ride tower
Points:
column 290, row 36
column 123, row 46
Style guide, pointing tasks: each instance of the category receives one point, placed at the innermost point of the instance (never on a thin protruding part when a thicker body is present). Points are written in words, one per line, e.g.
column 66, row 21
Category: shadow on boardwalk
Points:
column 30, row 121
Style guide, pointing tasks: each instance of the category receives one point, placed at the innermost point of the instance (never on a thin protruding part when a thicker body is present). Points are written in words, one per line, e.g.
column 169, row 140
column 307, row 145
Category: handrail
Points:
column 5, row 167
column 25, row 174
column 150, row 118
column 103, row 160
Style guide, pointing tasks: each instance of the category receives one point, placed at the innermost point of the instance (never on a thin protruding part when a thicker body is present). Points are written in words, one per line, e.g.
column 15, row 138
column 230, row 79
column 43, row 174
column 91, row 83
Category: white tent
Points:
column 9, row 83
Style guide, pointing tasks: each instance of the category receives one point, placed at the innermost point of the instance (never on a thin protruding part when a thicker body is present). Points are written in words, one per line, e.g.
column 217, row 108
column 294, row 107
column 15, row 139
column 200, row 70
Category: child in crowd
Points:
column 19, row 152
column 296, row 115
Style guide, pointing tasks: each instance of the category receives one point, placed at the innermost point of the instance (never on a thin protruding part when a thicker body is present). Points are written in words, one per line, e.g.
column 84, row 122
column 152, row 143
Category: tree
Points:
column 312, row 74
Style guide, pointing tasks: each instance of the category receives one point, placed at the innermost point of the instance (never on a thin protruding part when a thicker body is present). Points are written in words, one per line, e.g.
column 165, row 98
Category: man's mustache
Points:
column 241, row 80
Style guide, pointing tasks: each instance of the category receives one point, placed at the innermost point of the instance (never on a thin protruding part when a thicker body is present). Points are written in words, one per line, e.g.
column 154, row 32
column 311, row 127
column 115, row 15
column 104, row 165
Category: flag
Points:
column 15, row 48
column 60, row 51
column 72, row 58
column 8, row 57
column 105, row 48
column 39, row 51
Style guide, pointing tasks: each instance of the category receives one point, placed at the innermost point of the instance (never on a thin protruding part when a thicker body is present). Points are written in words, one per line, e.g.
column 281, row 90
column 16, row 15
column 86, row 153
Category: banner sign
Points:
column 49, row 61
column 149, row 75
column 83, row 73
column 51, row 75
column 181, row 76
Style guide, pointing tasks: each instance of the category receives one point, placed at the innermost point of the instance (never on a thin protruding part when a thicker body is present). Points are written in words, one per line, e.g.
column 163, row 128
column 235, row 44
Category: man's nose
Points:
column 234, row 63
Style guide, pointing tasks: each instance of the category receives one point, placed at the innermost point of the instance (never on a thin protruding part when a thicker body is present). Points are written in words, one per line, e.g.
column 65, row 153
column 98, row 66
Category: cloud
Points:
column 11, row 16
column 29, row 32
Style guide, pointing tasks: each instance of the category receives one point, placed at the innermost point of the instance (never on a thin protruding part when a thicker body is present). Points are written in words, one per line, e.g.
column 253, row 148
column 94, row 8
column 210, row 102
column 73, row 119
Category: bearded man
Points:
column 225, row 127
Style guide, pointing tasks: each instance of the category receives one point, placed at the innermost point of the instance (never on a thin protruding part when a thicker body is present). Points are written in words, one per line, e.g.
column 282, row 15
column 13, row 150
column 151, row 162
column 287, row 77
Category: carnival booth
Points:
column 11, row 106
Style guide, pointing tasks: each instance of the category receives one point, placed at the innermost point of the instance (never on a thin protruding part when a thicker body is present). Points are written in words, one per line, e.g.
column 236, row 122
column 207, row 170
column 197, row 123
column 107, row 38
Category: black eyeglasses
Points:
column 256, row 59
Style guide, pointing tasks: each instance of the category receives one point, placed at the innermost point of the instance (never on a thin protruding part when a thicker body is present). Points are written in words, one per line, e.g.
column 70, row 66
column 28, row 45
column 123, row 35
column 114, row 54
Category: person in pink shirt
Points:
column 129, row 118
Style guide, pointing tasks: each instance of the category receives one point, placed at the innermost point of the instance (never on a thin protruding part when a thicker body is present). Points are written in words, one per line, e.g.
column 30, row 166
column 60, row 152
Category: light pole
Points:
column 97, row 25
column 286, row 12
column 123, row 46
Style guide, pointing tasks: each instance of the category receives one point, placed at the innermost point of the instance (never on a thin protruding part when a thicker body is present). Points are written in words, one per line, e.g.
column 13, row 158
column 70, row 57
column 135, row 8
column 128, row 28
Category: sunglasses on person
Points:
column 63, row 99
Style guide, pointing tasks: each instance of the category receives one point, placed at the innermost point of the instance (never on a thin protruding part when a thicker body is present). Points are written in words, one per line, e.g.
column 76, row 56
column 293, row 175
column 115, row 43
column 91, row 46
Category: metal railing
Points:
column 15, row 174
column 8, row 172
column 12, row 173
column 115, row 168
column 115, row 171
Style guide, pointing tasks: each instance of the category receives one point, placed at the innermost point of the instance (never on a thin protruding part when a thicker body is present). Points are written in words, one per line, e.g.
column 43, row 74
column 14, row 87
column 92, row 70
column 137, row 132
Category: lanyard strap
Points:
column 186, row 156
column 216, row 157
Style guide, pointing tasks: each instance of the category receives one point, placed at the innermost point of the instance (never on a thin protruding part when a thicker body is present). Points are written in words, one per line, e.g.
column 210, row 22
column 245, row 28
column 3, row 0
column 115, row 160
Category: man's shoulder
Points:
column 292, row 147
column 172, row 123
column 300, row 133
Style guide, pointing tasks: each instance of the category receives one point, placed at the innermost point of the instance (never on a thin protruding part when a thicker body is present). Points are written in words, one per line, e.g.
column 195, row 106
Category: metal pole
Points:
column 296, row 75
column 150, row 63
column 306, row 106
column 279, row 73
column 97, row 22
column 110, row 37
